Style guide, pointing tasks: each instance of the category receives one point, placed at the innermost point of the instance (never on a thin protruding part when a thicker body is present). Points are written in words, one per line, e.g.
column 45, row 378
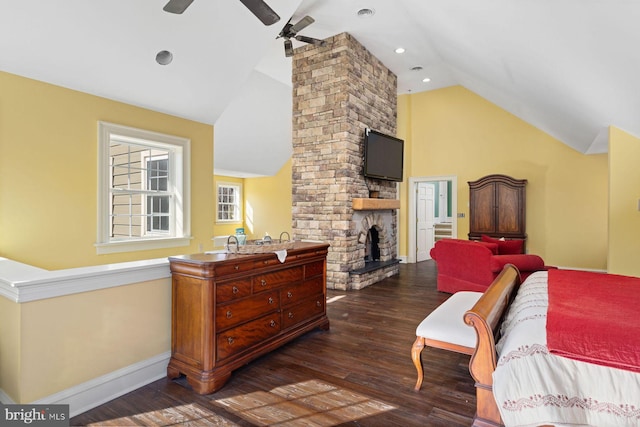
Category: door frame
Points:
column 412, row 232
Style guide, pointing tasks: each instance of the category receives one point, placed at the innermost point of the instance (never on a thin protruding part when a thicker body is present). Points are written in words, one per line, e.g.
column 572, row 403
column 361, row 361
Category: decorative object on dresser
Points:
column 228, row 309
column 497, row 207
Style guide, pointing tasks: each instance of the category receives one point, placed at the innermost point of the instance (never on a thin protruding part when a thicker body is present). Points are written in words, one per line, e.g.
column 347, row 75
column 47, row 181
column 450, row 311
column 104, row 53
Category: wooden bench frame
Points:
column 422, row 341
column 485, row 316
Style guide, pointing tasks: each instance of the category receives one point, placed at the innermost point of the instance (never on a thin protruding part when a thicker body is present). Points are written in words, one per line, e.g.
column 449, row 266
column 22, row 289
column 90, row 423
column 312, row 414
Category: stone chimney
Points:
column 338, row 91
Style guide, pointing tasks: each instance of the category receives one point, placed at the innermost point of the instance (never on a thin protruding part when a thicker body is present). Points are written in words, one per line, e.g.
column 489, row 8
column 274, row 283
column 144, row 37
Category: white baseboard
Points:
column 100, row 390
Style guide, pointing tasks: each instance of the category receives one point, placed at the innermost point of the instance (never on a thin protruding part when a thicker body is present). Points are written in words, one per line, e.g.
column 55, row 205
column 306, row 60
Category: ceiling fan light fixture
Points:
column 288, row 48
column 164, row 57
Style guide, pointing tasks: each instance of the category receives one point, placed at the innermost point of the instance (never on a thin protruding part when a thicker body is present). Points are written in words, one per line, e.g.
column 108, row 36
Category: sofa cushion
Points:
column 505, row 247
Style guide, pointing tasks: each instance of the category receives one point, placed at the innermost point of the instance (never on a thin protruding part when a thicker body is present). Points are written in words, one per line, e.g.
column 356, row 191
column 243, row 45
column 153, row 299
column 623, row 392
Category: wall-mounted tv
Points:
column 383, row 156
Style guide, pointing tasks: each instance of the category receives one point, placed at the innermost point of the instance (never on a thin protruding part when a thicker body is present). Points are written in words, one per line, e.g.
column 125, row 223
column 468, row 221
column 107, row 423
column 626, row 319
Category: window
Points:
column 158, row 212
column 143, row 194
column 229, row 202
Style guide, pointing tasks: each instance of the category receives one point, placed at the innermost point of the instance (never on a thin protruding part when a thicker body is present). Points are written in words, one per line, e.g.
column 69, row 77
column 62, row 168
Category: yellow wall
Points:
column 48, row 196
column 10, row 347
column 91, row 334
column 404, row 132
column 453, row 131
column 624, row 200
column 48, row 173
column 268, row 204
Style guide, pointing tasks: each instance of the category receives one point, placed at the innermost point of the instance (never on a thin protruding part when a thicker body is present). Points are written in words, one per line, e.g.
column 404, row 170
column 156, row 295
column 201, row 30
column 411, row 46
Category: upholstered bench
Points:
column 444, row 328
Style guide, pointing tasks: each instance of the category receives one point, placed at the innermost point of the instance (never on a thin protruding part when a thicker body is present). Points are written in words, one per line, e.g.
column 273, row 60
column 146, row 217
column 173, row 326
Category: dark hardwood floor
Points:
column 357, row 374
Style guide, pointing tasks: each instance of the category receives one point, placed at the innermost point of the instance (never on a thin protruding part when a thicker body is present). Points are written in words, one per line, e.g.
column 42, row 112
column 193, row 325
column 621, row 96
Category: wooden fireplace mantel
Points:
column 375, row 204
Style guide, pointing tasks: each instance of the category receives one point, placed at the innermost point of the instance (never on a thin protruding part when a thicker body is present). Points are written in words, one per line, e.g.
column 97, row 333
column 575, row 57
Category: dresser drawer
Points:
column 268, row 262
column 231, row 314
column 228, row 291
column 295, row 293
column 244, row 336
column 233, row 267
column 305, row 310
column 263, row 282
column 313, row 269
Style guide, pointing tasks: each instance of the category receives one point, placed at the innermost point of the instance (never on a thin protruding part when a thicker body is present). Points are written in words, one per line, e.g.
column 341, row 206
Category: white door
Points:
column 425, row 206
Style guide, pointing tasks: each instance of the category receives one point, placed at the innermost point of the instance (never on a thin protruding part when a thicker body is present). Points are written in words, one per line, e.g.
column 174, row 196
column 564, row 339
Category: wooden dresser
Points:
column 229, row 309
column 497, row 206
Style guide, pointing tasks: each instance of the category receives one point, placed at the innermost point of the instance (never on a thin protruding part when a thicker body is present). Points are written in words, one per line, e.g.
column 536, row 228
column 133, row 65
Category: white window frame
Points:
column 179, row 169
column 145, row 207
column 238, row 188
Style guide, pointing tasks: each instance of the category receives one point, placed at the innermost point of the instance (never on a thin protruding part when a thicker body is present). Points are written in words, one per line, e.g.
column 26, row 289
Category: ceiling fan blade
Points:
column 177, row 6
column 301, row 24
column 288, row 48
column 262, row 11
column 311, row 40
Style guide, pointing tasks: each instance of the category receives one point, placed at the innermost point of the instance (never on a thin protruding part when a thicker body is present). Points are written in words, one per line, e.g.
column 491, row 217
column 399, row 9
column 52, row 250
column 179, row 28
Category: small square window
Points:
column 229, row 206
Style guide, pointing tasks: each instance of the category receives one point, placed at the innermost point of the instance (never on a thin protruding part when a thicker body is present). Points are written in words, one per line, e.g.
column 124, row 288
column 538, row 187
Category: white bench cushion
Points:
column 446, row 322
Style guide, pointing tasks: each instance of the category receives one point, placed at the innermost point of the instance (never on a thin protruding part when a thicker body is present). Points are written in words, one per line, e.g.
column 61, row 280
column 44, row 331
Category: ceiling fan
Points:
column 258, row 7
column 290, row 31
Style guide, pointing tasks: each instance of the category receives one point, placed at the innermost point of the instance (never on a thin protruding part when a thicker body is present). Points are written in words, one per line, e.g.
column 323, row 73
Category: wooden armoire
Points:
column 497, row 207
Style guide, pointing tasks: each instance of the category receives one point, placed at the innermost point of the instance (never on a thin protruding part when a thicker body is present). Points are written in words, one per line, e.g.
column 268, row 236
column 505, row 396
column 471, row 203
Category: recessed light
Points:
column 366, row 13
column 164, row 57
column 426, row 80
column 400, row 50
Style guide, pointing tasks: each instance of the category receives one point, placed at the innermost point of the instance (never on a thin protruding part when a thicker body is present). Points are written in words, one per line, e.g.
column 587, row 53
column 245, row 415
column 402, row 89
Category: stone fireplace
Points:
column 339, row 90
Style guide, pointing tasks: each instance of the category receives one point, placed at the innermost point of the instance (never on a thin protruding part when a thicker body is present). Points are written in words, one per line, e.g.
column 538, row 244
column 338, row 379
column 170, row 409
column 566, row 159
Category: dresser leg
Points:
column 172, row 373
column 208, row 384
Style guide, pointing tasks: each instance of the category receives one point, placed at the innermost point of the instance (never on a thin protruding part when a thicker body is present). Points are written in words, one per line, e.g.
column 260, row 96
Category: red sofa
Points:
column 467, row 265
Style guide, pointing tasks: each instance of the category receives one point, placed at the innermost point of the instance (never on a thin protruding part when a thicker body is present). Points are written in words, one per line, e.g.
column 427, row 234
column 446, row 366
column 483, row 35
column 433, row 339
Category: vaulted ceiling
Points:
column 568, row 67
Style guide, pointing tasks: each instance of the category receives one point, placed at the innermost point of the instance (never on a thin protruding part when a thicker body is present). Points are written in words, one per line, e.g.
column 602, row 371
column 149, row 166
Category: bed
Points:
column 578, row 371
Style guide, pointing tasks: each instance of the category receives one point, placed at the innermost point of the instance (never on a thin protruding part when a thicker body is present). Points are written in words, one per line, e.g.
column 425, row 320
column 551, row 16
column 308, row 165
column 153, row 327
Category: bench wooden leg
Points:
column 416, row 350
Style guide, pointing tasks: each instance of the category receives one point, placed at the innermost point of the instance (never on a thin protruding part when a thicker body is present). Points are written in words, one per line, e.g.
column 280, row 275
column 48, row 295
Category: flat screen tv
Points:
column 383, row 156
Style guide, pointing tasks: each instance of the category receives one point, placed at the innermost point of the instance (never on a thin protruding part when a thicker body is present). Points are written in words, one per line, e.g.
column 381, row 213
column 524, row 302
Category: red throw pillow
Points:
column 505, row 247
column 493, row 247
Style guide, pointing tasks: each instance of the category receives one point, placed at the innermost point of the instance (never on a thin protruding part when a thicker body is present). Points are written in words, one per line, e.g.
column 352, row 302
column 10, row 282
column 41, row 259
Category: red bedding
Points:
column 594, row 317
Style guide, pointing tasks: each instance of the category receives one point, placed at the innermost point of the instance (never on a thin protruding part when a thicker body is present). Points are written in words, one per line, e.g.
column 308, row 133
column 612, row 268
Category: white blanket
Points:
column 533, row 387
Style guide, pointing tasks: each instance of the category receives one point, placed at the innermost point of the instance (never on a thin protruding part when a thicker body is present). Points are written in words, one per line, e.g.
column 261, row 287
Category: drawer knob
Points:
column 229, row 314
column 318, row 304
column 289, row 294
column 236, row 267
column 230, row 340
column 272, row 323
column 235, row 290
column 270, row 300
column 290, row 315
column 263, row 282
